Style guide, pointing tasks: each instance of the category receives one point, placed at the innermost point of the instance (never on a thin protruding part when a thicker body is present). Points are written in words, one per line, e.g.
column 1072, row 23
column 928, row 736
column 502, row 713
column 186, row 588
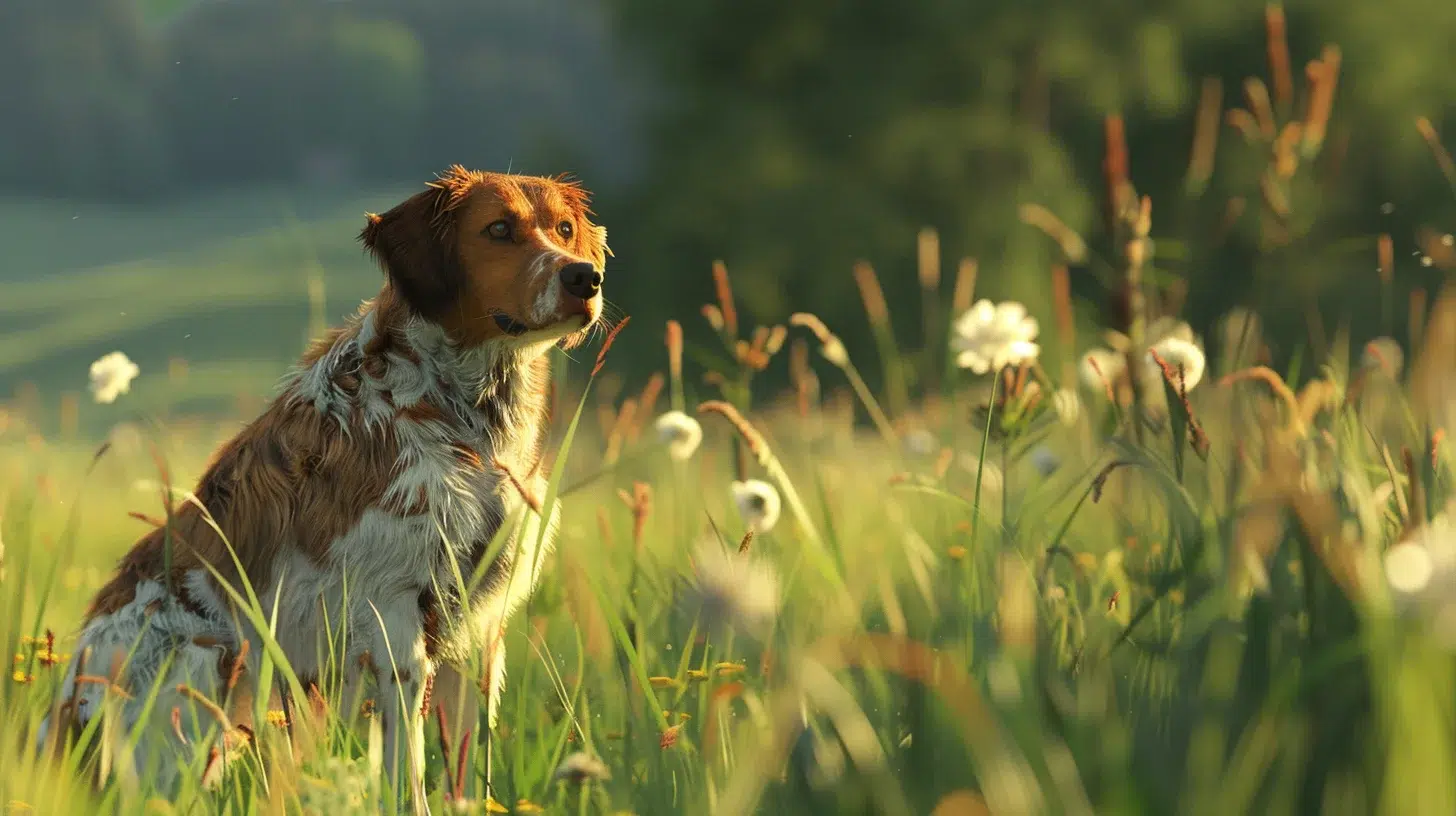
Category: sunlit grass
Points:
column 1049, row 588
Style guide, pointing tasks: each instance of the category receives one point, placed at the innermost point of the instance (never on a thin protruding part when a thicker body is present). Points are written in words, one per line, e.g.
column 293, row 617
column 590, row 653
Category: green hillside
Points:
column 221, row 283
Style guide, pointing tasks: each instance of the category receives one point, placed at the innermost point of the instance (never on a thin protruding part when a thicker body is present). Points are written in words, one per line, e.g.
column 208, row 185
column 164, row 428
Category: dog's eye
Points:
column 499, row 230
column 565, row 229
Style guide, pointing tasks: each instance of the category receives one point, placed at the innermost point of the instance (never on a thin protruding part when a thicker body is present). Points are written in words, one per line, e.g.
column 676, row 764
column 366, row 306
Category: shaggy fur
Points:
column 365, row 503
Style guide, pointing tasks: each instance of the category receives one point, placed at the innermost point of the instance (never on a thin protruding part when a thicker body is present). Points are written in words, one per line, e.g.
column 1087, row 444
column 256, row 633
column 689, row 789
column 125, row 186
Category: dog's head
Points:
column 495, row 257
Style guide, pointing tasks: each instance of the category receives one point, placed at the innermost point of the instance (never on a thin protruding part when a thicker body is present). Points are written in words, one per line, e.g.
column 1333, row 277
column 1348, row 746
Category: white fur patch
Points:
column 364, row 595
column 151, row 644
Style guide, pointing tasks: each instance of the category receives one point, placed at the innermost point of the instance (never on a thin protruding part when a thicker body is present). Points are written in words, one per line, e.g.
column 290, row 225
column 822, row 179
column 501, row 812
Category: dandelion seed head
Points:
column 111, row 377
column 1099, row 369
column 1180, row 354
column 920, row 442
column 681, row 434
column 1408, row 568
column 1385, row 355
column 758, row 504
column 735, row 590
column 582, row 767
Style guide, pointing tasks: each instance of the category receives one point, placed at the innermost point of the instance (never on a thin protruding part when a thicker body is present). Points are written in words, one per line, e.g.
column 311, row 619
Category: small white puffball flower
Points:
column 990, row 337
column 1180, row 354
column 1165, row 327
column 920, row 442
column 582, row 767
column 1099, row 369
column 1408, row 568
column 734, row 589
column 681, row 433
column 758, row 503
column 1383, row 354
column 1044, row 460
column 111, row 376
column 1068, row 405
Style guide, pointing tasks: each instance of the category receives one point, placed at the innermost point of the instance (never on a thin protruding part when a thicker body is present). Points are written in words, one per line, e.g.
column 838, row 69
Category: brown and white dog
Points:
column 377, row 481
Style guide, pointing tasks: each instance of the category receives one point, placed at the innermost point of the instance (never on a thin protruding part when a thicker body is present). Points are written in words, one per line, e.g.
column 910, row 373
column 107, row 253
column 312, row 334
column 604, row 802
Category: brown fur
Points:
column 263, row 492
column 263, row 489
column 438, row 257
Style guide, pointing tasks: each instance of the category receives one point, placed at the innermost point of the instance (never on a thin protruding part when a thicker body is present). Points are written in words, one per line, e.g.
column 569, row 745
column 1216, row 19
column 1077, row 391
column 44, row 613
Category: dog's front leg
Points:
column 457, row 696
column 401, row 668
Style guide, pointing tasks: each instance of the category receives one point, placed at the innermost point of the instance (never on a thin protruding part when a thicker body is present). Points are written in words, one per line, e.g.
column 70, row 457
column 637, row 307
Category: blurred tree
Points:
column 793, row 138
column 77, row 101
column 258, row 89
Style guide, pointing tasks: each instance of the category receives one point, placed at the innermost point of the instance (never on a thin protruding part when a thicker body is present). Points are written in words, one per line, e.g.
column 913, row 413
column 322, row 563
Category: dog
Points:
column 386, row 507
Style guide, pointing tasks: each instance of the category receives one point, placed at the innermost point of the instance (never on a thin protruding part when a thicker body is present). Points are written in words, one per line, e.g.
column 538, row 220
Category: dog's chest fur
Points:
column 457, row 420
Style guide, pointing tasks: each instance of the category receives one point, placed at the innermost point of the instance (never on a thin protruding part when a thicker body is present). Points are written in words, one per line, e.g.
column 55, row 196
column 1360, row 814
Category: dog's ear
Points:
column 416, row 244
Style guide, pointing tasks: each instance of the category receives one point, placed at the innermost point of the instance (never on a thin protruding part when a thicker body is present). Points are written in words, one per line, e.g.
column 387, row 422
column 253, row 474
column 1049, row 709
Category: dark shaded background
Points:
column 788, row 139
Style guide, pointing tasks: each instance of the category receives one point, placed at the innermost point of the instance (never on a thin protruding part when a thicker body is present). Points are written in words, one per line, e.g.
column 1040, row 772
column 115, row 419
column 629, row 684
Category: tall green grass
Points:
column 1168, row 601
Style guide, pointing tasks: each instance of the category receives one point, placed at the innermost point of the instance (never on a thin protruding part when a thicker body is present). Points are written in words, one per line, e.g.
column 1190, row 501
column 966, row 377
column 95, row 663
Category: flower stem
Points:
column 981, row 463
column 877, row 415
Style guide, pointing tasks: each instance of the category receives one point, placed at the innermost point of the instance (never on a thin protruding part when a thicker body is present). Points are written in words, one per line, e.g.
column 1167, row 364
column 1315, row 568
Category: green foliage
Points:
column 805, row 136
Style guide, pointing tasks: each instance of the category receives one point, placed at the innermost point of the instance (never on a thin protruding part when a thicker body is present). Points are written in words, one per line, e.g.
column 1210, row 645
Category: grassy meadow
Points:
column 1213, row 589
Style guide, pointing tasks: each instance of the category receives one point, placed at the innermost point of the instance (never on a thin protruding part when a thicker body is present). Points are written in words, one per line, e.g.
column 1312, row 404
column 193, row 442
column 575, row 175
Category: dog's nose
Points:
column 581, row 280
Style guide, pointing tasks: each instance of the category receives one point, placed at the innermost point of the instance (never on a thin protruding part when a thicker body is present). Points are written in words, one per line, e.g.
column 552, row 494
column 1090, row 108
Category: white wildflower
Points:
column 1180, row 354
column 111, row 376
column 735, row 589
column 991, row 337
column 681, row 433
column 582, row 767
column 1068, row 405
column 758, row 503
